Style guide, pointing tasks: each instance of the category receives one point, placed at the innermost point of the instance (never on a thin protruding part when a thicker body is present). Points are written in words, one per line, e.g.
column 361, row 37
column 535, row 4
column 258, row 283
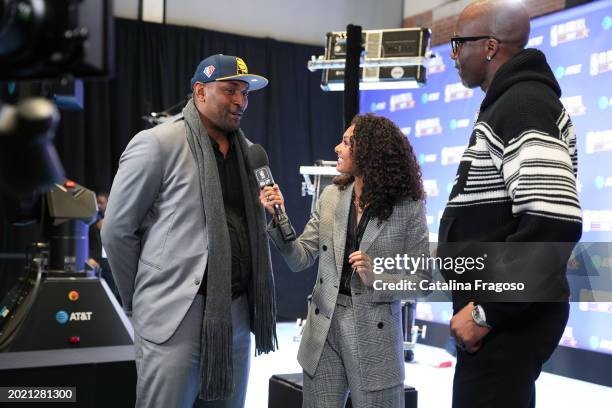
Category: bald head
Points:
column 488, row 33
column 506, row 20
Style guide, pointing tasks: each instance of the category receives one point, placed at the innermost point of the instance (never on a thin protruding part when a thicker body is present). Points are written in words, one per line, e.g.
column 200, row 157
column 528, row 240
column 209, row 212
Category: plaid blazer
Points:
column 377, row 313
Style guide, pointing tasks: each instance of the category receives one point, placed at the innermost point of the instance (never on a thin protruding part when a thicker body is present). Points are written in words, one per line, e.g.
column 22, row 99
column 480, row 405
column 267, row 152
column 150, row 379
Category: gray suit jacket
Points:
column 380, row 345
column 154, row 230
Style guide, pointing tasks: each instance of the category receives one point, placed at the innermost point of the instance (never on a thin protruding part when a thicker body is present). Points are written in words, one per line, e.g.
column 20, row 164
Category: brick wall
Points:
column 443, row 28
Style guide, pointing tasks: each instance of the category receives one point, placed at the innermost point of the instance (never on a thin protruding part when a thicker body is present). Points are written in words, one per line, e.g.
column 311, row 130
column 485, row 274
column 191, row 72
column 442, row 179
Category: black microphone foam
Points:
column 258, row 160
column 257, row 156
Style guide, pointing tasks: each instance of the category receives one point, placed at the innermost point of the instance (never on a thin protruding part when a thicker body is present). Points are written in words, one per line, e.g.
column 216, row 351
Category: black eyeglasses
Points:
column 457, row 41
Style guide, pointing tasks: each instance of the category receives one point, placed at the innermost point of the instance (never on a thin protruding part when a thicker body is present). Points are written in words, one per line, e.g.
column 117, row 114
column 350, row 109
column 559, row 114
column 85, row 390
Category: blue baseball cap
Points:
column 221, row 67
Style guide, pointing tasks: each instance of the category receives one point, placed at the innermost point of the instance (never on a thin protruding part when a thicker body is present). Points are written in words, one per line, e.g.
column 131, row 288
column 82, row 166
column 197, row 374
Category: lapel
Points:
column 371, row 232
column 340, row 225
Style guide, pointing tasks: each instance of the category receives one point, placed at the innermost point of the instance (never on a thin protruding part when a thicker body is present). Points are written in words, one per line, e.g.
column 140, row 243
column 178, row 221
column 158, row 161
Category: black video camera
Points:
column 45, row 39
column 48, row 40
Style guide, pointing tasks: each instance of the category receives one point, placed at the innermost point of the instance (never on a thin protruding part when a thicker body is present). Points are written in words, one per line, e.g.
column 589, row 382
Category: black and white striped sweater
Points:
column 517, row 178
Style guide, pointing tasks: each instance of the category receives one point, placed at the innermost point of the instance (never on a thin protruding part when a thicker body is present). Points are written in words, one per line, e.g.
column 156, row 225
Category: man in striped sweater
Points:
column 516, row 183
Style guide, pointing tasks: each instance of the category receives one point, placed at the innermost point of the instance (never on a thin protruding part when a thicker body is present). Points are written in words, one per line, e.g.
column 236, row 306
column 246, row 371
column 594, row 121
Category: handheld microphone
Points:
column 258, row 160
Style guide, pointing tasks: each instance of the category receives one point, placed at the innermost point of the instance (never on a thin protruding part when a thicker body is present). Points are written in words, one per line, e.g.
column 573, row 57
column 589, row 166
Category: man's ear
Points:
column 492, row 47
column 199, row 91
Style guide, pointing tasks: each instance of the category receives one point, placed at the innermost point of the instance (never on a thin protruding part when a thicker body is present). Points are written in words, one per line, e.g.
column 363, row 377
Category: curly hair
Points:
column 386, row 161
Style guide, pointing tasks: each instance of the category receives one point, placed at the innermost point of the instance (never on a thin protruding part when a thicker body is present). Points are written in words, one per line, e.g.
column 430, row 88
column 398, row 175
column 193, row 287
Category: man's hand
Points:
column 362, row 264
column 93, row 263
column 469, row 335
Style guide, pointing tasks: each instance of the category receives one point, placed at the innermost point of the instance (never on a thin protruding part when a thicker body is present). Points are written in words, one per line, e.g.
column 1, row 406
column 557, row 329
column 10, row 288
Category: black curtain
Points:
column 292, row 118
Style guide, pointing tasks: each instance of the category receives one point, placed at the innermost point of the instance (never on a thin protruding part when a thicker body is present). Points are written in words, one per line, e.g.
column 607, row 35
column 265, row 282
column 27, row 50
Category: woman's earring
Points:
column 489, row 58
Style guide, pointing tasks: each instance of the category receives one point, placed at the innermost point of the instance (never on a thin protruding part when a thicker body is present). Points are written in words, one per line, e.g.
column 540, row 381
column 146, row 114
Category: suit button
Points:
column 320, row 280
column 197, row 281
column 380, row 325
column 324, row 247
column 317, row 310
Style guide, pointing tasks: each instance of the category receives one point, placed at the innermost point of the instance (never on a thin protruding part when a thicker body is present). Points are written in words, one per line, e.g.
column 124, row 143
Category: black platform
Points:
column 90, row 349
column 285, row 391
column 103, row 376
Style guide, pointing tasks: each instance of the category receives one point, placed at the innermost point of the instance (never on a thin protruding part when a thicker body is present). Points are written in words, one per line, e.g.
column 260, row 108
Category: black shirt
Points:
column 233, row 201
column 354, row 233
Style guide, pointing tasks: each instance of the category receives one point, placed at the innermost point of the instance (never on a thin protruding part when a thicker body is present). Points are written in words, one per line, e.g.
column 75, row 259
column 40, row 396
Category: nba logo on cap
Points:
column 208, row 71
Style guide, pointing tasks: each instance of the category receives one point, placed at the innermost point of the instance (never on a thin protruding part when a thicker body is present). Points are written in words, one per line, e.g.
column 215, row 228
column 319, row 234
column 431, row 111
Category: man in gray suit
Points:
column 185, row 237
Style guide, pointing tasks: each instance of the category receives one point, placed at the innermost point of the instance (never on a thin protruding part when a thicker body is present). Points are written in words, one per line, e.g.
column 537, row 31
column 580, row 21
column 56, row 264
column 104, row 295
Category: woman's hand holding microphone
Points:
column 270, row 196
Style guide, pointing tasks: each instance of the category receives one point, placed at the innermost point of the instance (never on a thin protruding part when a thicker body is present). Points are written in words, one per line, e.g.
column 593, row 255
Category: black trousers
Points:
column 502, row 373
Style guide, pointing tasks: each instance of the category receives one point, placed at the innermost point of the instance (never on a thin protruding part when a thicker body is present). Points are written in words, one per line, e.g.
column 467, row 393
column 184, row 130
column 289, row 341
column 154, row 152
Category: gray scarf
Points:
column 216, row 353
